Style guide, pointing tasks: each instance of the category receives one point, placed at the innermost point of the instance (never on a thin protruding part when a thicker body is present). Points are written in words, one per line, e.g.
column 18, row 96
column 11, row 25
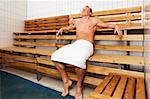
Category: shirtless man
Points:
column 85, row 29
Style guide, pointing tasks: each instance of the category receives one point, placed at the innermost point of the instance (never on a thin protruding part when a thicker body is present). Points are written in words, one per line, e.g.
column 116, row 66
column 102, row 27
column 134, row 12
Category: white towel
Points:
column 75, row 54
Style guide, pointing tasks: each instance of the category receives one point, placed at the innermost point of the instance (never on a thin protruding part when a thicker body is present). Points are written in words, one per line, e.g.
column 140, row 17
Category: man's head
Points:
column 86, row 11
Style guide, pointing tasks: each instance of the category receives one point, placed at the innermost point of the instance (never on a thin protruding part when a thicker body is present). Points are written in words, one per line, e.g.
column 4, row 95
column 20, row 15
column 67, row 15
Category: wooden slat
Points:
column 118, row 11
column 19, row 49
column 97, row 46
column 100, row 96
column 125, row 26
column 111, row 12
column 54, row 72
column 28, row 50
column 121, row 18
column 48, row 44
column 48, row 18
column 44, row 28
column 121, row 59
column 111, row 86
column 100, row 88
column 129, row 92
column 120, row 87
column 73, row 37
column 30, row 32
column 47, row 21
column 120, row 48
column 35, row 37
column 108, row 37
column 54, row 24
column 16, row 57
column 140, row 89
column 22, row 64
column 106, row 70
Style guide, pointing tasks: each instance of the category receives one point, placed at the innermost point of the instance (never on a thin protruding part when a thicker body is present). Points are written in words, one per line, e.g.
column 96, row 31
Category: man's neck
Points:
column 85, row 17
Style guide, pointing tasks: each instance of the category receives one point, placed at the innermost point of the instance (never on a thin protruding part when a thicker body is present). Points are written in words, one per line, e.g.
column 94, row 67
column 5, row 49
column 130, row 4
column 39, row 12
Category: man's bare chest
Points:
column 87, row 25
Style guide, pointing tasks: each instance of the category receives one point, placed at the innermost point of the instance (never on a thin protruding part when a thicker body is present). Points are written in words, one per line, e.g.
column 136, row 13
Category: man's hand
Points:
column 60, row 31
column 118, row 31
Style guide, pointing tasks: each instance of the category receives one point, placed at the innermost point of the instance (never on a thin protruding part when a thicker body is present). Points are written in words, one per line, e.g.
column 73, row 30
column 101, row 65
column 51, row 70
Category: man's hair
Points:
column 89, row 8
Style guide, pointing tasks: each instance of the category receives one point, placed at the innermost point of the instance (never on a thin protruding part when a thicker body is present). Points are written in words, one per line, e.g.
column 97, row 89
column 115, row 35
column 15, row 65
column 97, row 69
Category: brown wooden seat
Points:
column 96, row 57
column 117, row 86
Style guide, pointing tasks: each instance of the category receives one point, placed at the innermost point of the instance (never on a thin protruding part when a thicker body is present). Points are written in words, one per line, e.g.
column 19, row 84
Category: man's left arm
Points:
column 116, row 28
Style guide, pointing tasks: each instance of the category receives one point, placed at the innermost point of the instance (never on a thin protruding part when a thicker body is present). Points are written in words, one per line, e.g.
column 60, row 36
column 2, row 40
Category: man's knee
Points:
column 59, row 65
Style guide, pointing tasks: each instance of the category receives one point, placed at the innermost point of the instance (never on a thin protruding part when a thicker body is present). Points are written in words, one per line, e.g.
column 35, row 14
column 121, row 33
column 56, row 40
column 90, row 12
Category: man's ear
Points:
column 90, row 14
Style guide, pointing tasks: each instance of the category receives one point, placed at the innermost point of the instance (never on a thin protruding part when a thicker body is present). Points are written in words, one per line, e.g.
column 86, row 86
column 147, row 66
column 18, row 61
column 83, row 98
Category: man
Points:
column 78, row 52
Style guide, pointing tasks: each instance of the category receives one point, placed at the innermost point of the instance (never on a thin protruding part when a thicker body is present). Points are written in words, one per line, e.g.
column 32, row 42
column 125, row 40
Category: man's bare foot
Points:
column 79, row 93
column 66, row 88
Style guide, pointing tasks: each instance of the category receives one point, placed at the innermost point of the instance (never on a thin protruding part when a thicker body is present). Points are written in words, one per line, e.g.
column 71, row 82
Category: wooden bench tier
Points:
column 31, row 63
column 121, row 59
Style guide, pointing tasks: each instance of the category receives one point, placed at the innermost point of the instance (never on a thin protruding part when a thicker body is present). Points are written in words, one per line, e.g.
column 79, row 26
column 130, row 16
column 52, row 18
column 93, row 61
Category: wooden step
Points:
column 90, row 68
column 52, row 72
column 87, row 79
column 97, row 69
column 117, row 86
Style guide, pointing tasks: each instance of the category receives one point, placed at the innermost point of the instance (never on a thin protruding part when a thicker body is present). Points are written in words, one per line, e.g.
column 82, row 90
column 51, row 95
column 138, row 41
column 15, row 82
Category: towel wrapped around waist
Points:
column 75, row 54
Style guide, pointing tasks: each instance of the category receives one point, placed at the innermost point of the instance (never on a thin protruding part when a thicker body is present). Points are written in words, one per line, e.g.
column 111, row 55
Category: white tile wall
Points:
column 12, row 15
column 45, row 8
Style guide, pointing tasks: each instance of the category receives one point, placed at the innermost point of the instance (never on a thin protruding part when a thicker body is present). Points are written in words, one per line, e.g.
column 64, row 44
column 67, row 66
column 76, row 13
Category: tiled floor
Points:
column 45, row 81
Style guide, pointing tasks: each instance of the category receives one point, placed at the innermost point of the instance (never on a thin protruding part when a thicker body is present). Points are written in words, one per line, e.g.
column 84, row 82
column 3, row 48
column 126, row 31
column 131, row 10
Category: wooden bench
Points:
column 28, row 52
column 116, row 86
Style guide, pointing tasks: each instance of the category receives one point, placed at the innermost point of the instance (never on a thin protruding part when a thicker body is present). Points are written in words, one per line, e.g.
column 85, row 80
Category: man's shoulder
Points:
column 77, row 19
column 74, row 20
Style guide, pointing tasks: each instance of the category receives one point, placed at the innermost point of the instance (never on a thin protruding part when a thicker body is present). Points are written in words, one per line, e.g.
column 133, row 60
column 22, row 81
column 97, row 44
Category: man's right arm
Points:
column 71, row 27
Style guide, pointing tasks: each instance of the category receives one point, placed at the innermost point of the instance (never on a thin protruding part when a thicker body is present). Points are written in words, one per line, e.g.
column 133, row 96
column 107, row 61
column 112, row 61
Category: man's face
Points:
column 86, row 11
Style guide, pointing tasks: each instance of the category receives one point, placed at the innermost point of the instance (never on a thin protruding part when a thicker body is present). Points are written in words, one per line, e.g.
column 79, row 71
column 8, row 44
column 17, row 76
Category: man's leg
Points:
column 80, row 77
column 66, row 81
